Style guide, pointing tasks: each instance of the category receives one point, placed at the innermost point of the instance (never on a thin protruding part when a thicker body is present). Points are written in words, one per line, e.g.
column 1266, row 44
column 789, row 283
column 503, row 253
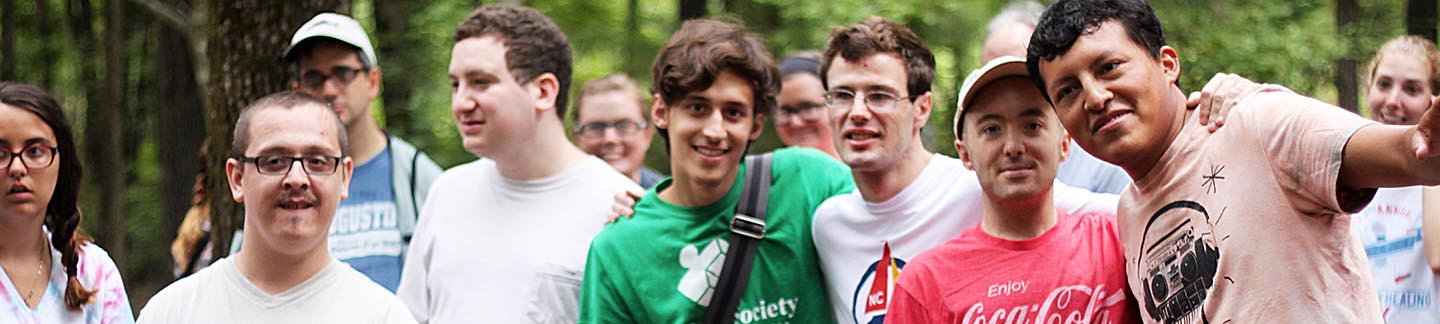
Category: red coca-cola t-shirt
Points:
column 1074, row 273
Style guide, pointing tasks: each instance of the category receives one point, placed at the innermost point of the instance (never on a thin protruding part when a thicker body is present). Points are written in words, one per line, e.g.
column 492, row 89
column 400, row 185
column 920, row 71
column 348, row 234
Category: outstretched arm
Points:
column 1394, row 156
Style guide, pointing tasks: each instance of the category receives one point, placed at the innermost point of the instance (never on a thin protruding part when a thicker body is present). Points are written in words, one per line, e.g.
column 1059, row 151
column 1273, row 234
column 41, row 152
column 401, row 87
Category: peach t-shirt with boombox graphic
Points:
column 1244, row 225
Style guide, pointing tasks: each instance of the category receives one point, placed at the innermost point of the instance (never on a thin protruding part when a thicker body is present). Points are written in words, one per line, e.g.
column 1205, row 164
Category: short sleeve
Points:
column 103, row 277
column 827, row 176
column 907, row 303
column 601, row 300
column 1305, row 139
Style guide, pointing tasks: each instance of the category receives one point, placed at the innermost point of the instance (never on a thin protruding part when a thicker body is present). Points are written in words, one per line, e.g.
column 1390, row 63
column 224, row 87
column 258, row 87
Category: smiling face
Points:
column 27, row 190
column 1116, row 100
column 871, row 139
column 709, row 131
column 626, row 153
column 802, row 94
column 290, row 212
column 1012, row 140
column 491, row 110
column 1399, row 92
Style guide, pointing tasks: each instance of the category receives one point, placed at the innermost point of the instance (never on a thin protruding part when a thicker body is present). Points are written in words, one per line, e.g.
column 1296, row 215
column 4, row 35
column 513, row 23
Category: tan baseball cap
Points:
column 998, row 68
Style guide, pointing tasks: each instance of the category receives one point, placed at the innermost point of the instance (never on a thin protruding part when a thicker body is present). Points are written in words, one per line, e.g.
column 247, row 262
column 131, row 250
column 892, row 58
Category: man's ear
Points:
column 374, row 77
column 1170, row 64
column 924, row 102
column 758, row 127
column 963, row 154
column 347, row 166
column 546, row 90
column 659, row 112
column 234, row 173
column 1064, row 145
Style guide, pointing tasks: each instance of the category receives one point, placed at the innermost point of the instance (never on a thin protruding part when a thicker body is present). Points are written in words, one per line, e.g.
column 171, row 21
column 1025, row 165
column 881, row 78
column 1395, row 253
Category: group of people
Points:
column 1249, row 203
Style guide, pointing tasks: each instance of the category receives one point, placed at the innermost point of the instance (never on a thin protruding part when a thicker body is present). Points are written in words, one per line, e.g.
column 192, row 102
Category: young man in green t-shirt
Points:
column 713, row 84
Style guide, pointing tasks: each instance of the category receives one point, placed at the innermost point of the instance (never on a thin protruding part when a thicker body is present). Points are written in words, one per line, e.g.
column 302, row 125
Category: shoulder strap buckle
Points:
column 748, row 226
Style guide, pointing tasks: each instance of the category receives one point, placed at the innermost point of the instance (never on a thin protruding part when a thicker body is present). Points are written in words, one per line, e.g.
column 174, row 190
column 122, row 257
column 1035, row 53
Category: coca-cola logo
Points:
column 1078, row 304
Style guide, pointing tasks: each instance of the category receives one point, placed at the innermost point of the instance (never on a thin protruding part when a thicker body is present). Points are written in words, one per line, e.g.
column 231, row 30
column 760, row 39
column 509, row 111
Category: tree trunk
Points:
column 244, row 42
column 1420, row 18
column 691, row 9
column 110, row 172
column 48, row 54
column 1346, row 83
column 400, row 59
column 180, row 125
column 633, row 48
column 7, row 40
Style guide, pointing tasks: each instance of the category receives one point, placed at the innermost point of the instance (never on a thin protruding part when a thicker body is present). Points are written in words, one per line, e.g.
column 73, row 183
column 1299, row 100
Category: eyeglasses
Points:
column 623, row 127
column 315, row 80
column 314, row 164
column 807, row 112
column 33, row 156
column 876, row 100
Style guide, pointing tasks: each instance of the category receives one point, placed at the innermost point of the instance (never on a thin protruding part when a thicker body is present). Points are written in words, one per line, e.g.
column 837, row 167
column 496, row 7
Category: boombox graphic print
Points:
column 1178, row 263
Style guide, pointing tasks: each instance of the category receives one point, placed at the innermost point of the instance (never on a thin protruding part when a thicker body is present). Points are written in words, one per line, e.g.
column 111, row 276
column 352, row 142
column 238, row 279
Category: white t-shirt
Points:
column 221, row 294
column 495, row 250
column 852, row 235
column 1390, row 230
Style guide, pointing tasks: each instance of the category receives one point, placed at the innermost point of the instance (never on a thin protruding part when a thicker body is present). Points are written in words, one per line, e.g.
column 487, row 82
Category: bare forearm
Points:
column 1383, row 156
column 1430, row 226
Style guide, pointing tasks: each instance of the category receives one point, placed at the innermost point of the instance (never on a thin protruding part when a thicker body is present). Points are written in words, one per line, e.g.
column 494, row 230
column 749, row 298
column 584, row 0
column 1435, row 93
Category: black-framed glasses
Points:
column 34, row 156
column 313, row 164
column 623, row 127
column 807, row 112
column 841, row 99
column 315, row 80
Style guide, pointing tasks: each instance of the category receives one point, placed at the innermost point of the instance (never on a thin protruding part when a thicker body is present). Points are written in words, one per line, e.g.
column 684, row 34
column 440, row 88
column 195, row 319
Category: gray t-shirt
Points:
column 221, row 294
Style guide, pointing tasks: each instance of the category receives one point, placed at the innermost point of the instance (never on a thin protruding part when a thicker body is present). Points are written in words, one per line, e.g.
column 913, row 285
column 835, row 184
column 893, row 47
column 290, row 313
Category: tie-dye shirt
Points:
column 97, row 272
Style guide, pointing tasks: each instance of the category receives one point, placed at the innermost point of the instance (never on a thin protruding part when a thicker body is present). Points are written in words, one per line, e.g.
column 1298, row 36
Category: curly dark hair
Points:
column 1065, row 21
column 534, row 45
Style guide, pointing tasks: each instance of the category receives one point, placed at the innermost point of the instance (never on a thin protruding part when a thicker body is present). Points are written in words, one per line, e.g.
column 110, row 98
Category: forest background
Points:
column 148, row 83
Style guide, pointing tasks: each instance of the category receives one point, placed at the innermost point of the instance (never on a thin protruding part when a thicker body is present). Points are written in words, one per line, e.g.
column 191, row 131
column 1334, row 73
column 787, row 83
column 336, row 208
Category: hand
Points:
column 624, row 205
column 1220, row 95
column 1427, row 131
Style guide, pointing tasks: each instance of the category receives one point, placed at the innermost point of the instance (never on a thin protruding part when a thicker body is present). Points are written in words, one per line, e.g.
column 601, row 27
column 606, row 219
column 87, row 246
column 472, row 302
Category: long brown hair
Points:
column 62, row 214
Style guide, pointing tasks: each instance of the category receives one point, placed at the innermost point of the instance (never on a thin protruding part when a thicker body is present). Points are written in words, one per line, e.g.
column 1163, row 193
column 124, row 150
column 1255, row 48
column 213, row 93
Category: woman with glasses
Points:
column 52, row 272
column 801, row 119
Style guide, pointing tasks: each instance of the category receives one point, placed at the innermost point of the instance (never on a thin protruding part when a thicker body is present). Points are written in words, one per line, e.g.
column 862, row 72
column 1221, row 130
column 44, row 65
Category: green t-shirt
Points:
column 658, row 266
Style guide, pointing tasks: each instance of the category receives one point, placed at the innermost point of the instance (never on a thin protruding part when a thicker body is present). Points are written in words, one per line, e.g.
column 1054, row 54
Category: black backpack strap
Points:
column 746, row 231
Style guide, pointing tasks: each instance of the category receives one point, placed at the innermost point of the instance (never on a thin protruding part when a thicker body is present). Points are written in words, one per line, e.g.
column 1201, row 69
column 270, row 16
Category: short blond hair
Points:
column 611, row 83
